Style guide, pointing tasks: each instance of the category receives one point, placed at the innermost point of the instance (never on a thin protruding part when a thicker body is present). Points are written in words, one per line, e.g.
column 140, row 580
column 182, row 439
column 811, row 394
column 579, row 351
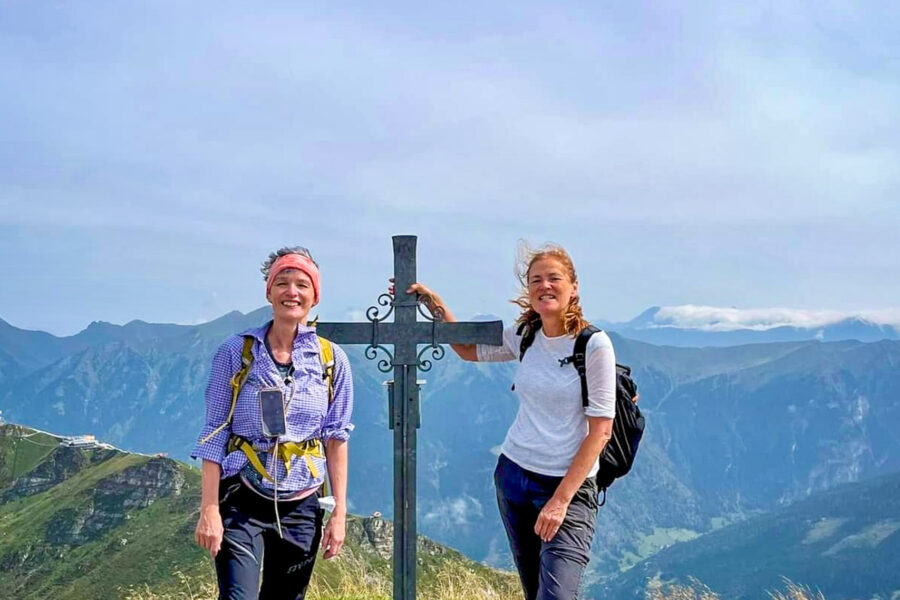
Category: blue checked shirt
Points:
column 308, row 413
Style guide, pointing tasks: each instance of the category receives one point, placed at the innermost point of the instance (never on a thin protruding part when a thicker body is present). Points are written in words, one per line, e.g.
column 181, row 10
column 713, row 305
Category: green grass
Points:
column 146, row 549
column 29, row 517
column 729, row 519
column 147, row 554
column 648, row 545
column 19, row 454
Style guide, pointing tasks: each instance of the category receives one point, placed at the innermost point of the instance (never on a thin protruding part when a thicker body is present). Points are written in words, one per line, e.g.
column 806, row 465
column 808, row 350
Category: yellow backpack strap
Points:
column 236, row 442
column 286, row 451
column 326, row 354
column 308, row 449
column 237, row 382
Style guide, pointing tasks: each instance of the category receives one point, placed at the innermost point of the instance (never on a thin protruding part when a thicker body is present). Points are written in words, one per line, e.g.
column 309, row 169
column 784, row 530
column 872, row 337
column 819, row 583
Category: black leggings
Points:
column 252, row 547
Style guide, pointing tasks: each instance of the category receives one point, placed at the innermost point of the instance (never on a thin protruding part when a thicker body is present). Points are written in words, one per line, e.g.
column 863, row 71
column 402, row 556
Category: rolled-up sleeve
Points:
column 337, row 424
column 225, row 364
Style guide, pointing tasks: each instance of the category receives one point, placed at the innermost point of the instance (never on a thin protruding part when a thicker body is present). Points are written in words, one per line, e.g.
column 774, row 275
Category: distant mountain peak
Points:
column 645, row 318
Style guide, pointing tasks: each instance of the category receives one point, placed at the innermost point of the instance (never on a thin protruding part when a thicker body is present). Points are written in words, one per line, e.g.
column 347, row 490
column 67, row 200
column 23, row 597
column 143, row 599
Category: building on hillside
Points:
column 81, row 441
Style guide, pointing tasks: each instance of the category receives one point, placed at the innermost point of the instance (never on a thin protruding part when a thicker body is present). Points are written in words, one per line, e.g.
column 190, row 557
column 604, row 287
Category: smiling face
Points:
column 292, row 296
column 550, row 288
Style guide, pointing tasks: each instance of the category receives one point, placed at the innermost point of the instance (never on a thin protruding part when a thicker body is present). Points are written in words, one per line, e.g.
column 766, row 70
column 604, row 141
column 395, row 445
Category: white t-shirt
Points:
column 552, row 422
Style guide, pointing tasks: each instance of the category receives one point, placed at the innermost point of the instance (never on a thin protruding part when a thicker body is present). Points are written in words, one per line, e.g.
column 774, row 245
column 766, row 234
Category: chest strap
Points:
column 308, row 449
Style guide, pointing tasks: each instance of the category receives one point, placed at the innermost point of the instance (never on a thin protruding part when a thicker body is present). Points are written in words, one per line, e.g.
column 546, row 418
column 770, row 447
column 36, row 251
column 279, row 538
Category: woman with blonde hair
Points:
column 544, row 477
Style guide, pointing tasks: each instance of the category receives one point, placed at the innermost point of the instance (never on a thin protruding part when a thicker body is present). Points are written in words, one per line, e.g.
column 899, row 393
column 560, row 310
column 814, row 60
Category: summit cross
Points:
column 406, row 333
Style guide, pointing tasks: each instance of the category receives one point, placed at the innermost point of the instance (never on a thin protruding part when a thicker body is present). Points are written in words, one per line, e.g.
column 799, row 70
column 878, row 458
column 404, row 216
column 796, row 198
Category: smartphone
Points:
column 271, row 409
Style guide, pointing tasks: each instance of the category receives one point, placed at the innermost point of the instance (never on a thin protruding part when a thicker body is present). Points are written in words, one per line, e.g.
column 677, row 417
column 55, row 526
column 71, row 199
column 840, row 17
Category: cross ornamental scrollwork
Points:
column 405, row 333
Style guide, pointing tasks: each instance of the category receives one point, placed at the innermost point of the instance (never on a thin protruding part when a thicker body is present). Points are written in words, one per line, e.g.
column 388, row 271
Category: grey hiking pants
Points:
column 551, row 570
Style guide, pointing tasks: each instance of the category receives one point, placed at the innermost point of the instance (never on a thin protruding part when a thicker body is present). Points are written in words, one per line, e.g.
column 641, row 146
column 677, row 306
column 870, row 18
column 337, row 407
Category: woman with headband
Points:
column 278, row 403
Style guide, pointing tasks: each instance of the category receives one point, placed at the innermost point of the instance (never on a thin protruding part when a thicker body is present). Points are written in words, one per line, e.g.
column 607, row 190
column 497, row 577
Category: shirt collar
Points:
column 304, row 332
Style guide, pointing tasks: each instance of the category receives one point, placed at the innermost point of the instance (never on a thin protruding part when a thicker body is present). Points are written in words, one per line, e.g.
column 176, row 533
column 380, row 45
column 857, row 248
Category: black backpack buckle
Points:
column 577, row 358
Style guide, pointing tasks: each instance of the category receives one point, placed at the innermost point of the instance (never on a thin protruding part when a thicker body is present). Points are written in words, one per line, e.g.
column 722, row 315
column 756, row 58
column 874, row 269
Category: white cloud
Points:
column 714, row 318
column 355, row 316
column 454, row 512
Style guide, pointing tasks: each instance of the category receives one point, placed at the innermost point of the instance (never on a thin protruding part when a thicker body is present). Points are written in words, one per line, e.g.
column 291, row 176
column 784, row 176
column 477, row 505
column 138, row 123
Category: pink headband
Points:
column 294, row 261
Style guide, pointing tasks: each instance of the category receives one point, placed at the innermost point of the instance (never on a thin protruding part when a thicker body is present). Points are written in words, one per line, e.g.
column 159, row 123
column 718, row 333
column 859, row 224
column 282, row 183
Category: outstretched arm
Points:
column 440, row 312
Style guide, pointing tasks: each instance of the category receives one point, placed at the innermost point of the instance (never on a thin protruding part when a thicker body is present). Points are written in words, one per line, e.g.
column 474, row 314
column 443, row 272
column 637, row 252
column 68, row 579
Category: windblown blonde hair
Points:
column 573, row 320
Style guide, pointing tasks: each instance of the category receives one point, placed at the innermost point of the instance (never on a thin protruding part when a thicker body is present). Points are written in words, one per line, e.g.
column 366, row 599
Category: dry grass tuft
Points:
column 693, row 590
column 190, row 589
column 794, row 591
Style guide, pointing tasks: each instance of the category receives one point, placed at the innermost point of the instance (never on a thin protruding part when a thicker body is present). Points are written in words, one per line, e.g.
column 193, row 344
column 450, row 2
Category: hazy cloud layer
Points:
column 713, row 318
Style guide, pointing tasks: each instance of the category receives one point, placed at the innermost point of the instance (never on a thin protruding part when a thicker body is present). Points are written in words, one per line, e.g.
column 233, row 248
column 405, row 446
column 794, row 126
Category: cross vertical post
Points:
column 405, row 333
column 406, row 405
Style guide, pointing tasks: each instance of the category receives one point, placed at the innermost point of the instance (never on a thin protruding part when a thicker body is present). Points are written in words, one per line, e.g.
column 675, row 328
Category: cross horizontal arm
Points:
column 464, row 332
column 348, row 333
column 461, row 332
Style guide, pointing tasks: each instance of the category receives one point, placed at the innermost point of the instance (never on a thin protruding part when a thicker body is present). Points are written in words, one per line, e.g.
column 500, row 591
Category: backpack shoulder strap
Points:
column 580, row 361
column 326, row 355
column 527, row 329
column 246, row 362
column 237, row 382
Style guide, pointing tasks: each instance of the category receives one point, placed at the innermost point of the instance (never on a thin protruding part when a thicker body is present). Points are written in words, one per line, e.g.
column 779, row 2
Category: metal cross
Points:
column 405, row 333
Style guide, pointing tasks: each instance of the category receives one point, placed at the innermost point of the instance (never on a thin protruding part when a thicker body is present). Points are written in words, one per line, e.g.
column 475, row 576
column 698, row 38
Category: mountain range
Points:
column 733, row 432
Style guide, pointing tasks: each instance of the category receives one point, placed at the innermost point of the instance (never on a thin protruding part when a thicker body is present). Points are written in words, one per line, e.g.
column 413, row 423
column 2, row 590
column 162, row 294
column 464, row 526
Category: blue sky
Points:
column 151, row 154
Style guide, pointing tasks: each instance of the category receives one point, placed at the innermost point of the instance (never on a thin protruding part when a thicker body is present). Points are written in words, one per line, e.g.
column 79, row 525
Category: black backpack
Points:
column 628, row 426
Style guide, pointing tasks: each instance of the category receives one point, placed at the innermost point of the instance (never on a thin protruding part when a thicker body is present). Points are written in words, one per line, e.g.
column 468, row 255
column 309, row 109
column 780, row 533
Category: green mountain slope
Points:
column 97, row 522
column 845, row 542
